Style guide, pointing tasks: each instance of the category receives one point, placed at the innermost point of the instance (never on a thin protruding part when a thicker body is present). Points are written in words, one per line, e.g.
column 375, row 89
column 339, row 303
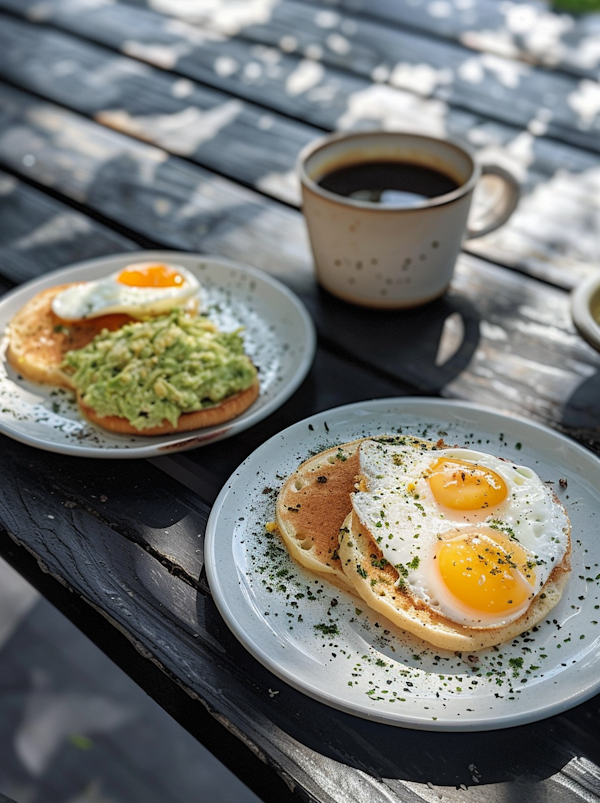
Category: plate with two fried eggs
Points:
column 419, row 562
column 221, row 345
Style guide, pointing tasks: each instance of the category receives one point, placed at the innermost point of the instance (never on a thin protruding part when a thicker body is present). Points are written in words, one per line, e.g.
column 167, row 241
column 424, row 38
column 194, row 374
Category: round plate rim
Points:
column 186, row 440
column 416, row 723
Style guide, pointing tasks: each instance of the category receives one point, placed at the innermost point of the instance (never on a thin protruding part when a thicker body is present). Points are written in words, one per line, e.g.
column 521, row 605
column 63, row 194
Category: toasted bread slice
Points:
column 312, row 506
column 229, row 408
column 359, row 552
column 38, row 339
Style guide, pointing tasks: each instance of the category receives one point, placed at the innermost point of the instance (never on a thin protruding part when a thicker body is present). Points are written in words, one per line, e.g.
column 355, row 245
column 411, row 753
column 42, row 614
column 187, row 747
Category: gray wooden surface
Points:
column 75, row 727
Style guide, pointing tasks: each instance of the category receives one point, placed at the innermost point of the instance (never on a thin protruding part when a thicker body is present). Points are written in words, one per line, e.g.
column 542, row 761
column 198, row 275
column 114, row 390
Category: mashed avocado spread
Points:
column 153, row 370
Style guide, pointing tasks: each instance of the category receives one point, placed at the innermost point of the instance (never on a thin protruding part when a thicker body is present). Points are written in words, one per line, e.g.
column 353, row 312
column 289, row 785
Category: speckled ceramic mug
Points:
column 394, row 255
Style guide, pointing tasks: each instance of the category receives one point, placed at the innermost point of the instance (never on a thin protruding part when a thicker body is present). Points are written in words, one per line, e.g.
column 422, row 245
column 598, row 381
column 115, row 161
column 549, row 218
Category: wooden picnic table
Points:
column 145, row 124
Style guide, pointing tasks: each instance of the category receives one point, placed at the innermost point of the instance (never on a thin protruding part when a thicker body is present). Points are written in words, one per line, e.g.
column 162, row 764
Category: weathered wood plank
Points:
column 265, row 76
column 148, row 508
column 519, row 351
column 326, row 755
column 39, row 234
column 554, row 234
column 527, row 333
column 497, row 87
column 141, row 187
column 226, row 134
column 531, row 31
column 482, row 83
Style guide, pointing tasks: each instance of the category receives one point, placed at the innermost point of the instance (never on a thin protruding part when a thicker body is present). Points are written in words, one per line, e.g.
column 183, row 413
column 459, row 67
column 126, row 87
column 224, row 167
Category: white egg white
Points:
column 400, row 511
column 107, row 296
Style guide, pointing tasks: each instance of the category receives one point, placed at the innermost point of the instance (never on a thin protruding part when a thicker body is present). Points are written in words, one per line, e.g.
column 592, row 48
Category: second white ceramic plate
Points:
column 279, row 337
column 356, row 661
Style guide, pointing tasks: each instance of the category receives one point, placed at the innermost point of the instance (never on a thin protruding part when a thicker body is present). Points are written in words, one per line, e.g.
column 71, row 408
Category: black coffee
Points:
column 393, row 183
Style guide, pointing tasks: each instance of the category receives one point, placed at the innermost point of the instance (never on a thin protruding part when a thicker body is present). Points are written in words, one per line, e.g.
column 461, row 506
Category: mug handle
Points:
column 501, row 208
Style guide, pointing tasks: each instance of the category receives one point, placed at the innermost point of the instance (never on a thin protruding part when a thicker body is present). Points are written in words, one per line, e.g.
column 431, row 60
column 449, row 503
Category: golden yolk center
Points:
column 489, row 575
column 150, row 276
column 461, row 485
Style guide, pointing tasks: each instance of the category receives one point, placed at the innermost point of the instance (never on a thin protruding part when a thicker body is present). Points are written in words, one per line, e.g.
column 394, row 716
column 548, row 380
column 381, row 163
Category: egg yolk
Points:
column 489, row 575
column 461, row 485
column 151, row 276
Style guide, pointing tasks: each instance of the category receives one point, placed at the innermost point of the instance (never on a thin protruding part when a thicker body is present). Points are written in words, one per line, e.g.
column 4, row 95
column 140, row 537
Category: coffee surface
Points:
column 388, row 182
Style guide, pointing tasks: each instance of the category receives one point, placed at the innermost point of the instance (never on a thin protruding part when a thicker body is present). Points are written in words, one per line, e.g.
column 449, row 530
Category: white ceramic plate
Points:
column 360, row 663
column 278, row 335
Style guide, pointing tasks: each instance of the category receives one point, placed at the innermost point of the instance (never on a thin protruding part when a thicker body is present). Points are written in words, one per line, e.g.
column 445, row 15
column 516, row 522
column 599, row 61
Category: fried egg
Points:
column 472, row 536
column 139, row 290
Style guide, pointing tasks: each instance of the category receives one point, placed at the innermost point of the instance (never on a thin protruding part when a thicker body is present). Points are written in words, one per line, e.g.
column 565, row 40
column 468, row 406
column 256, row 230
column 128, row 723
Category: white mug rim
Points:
column 354, row 203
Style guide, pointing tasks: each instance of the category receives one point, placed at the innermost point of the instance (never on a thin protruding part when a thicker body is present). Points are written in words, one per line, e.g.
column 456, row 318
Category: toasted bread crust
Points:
column 38, row 339
column 229, row 408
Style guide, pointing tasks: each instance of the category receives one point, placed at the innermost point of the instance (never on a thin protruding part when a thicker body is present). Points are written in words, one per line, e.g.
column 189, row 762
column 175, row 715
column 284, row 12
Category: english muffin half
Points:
column 38, row 340
column 312, row 506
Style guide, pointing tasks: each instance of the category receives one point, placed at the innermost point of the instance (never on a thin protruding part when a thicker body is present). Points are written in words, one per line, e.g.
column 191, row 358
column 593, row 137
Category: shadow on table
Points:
column 427, row 346
column 581, row 412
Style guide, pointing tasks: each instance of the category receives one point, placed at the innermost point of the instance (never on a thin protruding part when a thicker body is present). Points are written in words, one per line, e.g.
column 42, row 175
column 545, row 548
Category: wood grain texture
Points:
column 484, row 84
column 532, row 32
column 143, row 188
column 39, row 234
column 226, row 134
column 519, row 352
column 554, row 233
